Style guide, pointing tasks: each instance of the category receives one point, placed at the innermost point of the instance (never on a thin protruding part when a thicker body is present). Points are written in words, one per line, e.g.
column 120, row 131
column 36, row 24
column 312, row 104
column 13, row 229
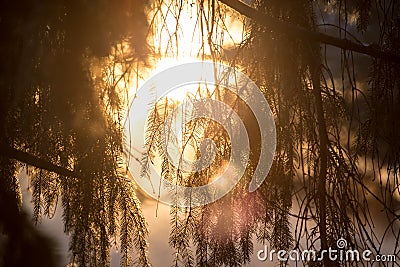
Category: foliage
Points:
column 65, row 71
column 61, row 102
column 321, row 186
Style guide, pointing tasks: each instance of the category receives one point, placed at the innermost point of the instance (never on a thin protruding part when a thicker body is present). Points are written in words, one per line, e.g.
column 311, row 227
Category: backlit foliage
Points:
column 66, row 69
column 61, row 102
column 337, row 149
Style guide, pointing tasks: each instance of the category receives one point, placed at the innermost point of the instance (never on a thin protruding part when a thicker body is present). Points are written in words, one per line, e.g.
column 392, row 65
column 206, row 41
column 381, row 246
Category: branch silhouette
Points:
column 37, row 162
column 372, row 50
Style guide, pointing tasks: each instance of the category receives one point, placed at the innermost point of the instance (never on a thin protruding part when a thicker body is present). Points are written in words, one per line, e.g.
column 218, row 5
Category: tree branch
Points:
column 323, row 148
column 303, row 33
column 32, row 160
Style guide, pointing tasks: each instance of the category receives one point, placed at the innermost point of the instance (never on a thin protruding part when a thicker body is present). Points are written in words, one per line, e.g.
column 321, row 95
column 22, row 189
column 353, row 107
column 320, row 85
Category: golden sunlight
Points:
column 198, row 35
column 183, row 33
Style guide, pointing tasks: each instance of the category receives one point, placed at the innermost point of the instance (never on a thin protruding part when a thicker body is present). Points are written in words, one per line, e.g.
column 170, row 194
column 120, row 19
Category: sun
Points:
column 181, row 32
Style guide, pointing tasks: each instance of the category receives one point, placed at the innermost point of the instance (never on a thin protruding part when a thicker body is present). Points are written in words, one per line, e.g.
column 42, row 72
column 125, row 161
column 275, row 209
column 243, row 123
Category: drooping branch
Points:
column 323, row 146
column 300, row 32
column 35, row 161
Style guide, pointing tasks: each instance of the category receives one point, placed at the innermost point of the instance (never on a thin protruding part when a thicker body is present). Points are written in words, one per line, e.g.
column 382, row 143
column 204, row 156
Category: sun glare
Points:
column 182, row 33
